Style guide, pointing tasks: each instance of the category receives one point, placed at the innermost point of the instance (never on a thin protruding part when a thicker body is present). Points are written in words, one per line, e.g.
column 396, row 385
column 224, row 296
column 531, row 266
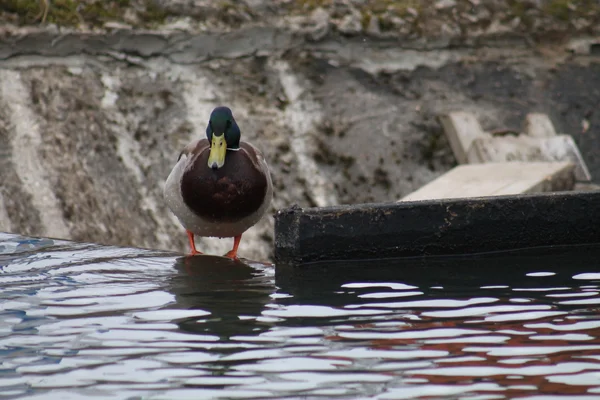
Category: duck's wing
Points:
column 193, row 148
column 255, row 155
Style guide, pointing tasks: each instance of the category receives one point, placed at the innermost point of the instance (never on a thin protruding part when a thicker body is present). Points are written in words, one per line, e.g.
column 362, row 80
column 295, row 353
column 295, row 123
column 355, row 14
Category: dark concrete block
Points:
column 435, row 227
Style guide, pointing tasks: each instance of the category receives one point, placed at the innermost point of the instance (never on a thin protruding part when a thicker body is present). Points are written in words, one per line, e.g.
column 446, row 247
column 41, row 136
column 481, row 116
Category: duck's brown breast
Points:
column 230, row 193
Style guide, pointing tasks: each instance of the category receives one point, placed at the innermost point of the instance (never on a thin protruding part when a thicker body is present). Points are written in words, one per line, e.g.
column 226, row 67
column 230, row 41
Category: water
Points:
column 83, row 321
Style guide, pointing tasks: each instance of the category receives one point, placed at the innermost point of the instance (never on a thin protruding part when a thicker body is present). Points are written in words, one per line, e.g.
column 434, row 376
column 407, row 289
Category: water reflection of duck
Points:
column 220, row 186
column 233, row 292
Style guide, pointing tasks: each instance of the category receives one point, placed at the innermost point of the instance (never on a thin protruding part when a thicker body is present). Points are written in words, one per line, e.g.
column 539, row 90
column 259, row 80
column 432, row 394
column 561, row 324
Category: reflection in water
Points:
column 80, row 320
column 232, row 292
column 523, row 323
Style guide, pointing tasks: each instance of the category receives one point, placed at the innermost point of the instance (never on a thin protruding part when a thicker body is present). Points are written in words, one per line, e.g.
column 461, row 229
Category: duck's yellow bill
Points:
column 218, row 149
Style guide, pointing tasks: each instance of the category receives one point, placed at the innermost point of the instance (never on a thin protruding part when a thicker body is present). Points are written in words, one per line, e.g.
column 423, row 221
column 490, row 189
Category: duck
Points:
column 220, row 186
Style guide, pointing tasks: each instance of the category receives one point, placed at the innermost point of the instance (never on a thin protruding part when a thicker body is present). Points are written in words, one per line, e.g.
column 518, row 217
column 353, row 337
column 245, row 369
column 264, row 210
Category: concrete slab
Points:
column 498, row 179
column 462, row 128
column 471, row 145
column 510, row 148
column 435, row 227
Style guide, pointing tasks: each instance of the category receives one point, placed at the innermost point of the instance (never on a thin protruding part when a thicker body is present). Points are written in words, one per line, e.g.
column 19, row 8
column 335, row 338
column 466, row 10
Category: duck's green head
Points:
column 223, row 133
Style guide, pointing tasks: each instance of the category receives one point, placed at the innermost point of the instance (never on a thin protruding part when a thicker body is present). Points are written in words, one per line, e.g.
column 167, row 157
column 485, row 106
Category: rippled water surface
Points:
column 83, row 321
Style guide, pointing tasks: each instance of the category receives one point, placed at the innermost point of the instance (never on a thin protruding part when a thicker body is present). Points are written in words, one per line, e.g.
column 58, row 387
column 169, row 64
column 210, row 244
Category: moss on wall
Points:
column 72, row 13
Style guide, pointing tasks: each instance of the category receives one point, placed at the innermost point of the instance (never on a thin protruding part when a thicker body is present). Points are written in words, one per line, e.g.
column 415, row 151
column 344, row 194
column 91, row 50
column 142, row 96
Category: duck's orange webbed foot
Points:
column 233, row 252
column 193, row 250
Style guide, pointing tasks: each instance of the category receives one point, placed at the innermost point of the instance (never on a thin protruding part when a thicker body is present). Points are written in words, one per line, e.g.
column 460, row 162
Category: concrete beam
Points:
column 435, row 227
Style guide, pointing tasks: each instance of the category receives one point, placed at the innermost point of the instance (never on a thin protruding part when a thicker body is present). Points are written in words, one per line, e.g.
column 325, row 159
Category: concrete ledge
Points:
column 184, row 48
column 435, row 227
column 189, row 47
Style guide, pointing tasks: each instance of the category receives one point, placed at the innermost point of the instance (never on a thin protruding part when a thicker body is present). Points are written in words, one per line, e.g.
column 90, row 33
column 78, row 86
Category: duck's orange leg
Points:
column 233, row 252
column 192, row 243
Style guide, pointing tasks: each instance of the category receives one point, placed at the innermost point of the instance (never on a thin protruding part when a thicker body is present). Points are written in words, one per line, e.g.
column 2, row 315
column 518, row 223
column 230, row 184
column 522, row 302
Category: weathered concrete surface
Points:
column 90, row 124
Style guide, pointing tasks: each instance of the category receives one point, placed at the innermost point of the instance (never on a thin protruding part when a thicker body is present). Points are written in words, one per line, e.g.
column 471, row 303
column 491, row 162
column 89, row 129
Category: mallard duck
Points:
column 220, row 186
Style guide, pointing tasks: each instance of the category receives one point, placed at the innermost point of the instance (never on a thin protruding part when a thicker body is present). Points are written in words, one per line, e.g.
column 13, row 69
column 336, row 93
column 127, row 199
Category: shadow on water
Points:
column 234, row 292
column 441, row 276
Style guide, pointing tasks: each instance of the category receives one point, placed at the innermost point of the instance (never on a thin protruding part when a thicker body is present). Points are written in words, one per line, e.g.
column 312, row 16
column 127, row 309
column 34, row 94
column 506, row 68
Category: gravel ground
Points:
column 412, row 19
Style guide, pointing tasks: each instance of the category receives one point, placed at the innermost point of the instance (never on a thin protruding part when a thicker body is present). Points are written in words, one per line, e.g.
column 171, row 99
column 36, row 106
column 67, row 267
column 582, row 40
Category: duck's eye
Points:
column 227, row 125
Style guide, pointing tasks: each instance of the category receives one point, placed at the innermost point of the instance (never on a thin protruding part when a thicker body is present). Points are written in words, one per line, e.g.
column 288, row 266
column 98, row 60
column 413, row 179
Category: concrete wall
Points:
column 90, row 124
